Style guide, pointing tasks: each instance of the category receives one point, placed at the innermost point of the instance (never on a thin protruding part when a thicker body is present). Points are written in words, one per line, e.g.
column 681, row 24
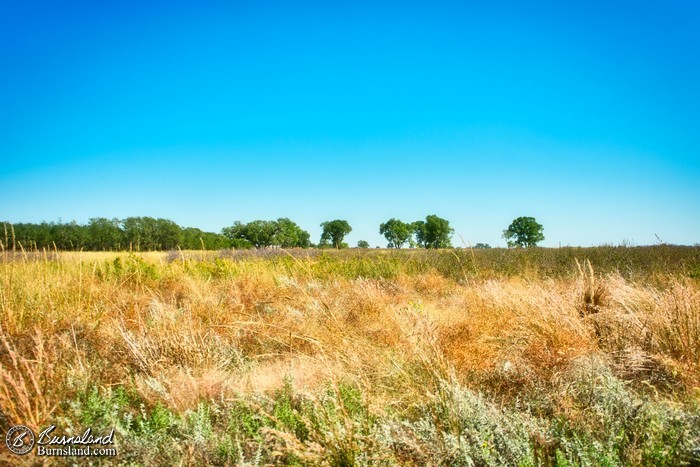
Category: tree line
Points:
column 102, row 234
column 150, row 234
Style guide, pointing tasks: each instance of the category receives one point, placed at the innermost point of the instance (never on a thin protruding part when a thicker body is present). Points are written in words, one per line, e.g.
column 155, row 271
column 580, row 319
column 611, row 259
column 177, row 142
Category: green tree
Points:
column 139, row 233
column 434, row 232
column 258, row 233
column 282, row 232
column 288, row 234
column 215, row 241
column 362, row 244
column 482, row 246
column 524, row 232
column 166, row 235
column 104, row 234
column 334, row 232
column 68, row 236
column 396, row 232
column 192, row 238
column 29, row 236
column 148, row 233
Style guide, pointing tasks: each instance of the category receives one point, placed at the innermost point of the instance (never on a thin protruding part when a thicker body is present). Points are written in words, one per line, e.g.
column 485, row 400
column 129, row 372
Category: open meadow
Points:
column 571, row 356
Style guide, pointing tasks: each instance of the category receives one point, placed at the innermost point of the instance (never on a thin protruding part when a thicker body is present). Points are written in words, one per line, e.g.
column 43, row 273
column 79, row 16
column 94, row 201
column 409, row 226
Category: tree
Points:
column 258, row 233
column 434, row 232
column 288, row 234
column 396, row 232
column 29, row 236
column 139, row 233
column 104, row 234
column 150, row 234
column 362, row 244
column 68, row 236
column 282, row 232
column 215, row 241
column 166, row 235
column 334, row 232
column 524, row 232
column 192, row 238
column 480, row 246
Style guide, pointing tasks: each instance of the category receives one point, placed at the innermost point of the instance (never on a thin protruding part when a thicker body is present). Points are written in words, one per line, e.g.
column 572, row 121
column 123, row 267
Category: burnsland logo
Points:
column 21, row 440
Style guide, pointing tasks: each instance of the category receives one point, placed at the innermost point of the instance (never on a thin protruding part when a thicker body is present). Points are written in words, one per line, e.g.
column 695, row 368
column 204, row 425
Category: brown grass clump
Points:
column 594, row 293
column 655, row 325
column 27, row 392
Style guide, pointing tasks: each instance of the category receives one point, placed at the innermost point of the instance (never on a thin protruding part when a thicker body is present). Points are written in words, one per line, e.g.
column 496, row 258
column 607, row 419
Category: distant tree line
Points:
column 102, row 234
column 150, row 234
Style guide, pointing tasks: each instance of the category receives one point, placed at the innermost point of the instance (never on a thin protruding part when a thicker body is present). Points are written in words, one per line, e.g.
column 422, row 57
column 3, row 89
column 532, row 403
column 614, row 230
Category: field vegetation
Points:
column 571, row 356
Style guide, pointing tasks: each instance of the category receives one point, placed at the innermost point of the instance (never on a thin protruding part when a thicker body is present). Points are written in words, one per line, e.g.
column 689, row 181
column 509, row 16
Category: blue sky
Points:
column 585, row 115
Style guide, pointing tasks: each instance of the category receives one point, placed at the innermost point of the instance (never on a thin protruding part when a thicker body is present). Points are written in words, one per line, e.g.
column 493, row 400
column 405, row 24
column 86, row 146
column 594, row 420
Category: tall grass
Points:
column 348, row 358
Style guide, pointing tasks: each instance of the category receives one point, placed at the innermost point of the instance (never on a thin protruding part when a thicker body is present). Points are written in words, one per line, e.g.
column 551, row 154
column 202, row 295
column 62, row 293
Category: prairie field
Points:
column 570, row 356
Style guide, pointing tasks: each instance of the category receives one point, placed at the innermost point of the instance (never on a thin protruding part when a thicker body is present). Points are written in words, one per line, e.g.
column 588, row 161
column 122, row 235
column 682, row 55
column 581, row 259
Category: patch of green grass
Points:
column 605, row 423
column 128, row 268
column 288, row 411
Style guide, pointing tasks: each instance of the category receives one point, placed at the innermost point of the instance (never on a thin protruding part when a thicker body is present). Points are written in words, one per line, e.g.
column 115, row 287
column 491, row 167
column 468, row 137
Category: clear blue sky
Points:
column 585, row 115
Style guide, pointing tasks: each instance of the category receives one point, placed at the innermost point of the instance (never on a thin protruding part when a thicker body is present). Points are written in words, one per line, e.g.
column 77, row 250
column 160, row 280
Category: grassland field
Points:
column 528, row 357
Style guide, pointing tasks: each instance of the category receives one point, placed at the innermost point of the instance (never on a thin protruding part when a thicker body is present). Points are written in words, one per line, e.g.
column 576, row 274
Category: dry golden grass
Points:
column 182, row 319
column 182, row 332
